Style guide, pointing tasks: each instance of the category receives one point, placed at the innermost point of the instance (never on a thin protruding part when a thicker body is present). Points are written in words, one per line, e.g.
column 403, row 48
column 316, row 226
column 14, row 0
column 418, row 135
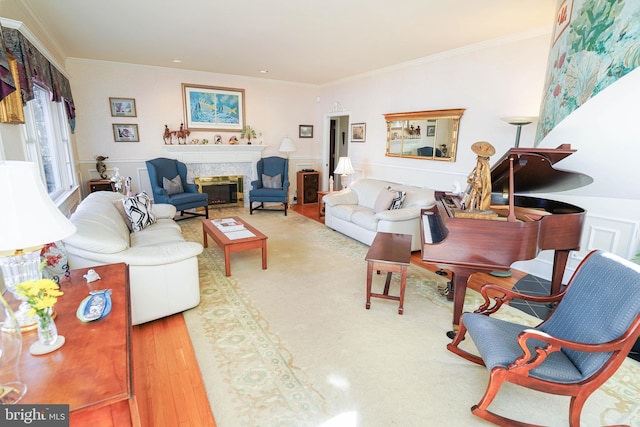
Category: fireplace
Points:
column 222, row 190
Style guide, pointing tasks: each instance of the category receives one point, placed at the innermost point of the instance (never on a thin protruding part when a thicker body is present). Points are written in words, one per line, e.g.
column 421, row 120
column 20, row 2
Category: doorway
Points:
column 336, row 145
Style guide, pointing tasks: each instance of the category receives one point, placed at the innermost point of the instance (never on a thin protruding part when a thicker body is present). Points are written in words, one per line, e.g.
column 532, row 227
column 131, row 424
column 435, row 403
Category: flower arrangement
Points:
column 41, row 296
column 248, row 132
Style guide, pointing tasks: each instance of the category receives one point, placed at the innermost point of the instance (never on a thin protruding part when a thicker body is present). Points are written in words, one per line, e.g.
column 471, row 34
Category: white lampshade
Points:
column 28, row 217
column 286, row 146
column 344, row 166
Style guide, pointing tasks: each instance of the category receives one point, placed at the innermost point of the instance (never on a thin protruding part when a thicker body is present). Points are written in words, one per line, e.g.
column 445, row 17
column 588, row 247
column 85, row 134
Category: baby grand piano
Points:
column 523, row 227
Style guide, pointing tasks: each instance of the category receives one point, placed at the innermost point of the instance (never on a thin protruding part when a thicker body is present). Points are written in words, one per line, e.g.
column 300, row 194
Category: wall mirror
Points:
column 427, row 135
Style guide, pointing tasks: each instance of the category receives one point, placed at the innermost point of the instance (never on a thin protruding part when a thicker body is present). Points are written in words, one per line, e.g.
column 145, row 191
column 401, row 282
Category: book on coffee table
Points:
column 228, row 224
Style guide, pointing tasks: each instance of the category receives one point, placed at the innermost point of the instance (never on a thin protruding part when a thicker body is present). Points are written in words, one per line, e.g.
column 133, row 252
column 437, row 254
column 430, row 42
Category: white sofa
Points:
column 354, row 211
column 163, row 267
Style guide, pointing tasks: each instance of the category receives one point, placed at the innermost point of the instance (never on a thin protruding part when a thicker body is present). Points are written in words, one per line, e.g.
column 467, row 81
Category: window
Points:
column 48, row 143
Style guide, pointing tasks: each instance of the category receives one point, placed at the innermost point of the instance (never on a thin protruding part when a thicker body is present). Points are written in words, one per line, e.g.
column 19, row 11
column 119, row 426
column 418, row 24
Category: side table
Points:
column 92, row 371
column 321, row 194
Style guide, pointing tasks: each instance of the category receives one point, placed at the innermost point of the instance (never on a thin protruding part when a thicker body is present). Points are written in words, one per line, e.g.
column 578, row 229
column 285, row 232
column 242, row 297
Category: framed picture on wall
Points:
column 358, row 132
column 305, row 131
column 123, row 107
column 431, row 130
column 213, row 108
column 125, row 133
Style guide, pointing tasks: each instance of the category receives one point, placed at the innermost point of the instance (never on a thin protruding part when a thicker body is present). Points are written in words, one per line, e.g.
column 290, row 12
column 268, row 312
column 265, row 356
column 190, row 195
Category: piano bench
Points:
column 389, row 252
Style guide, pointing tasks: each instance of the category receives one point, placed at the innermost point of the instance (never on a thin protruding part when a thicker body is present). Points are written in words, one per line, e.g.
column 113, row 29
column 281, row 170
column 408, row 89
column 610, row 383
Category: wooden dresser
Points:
column 92, row 372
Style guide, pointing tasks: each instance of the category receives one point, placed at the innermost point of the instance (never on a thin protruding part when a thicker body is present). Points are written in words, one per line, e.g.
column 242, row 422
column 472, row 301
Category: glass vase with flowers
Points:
column 41, row 295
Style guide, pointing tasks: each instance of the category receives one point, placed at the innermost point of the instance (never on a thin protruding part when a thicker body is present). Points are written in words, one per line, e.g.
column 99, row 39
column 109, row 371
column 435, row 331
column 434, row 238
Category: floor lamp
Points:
column 519, row 122
column 344, row 169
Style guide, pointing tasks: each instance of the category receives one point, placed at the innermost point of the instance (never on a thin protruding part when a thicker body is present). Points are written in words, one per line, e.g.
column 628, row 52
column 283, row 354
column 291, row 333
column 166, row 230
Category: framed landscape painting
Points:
column 213, row 108
column 125, row 133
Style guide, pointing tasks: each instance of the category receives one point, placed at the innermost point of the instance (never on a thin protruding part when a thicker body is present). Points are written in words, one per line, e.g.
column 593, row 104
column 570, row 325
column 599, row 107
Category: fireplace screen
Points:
column 222, row 190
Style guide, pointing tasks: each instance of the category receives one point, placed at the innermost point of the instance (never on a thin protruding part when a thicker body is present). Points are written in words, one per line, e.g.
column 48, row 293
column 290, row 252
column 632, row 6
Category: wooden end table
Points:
column 390, row 252
column 257, row 241
column 321, row 194
column 92, row 371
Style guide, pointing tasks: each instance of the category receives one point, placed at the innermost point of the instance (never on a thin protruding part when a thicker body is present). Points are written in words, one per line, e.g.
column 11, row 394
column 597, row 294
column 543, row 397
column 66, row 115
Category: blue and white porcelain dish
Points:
column 96, row 306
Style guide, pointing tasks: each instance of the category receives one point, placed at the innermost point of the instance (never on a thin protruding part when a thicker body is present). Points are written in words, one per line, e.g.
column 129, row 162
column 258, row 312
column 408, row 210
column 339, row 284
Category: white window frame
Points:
column 61, row 158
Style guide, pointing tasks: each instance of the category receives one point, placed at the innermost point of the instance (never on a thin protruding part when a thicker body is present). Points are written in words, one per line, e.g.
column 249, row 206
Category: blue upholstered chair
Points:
column 168, row 188
column 272, row 184
column 574, row 351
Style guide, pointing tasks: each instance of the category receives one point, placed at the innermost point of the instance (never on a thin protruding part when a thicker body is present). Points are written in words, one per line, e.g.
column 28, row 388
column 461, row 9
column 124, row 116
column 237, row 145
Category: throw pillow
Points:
column 398, row 198
column 272, row 181
column 383, row 201
column 54, row 258
column 138, row 210
column 173, row 186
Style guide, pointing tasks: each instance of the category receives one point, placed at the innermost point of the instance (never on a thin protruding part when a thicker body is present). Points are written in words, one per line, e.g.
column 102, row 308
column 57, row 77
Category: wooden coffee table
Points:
column 257, row 241
column 390, row 252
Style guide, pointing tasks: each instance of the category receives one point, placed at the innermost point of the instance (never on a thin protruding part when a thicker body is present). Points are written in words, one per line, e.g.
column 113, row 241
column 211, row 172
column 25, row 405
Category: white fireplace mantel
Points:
column 216, row 153
column 219, row 160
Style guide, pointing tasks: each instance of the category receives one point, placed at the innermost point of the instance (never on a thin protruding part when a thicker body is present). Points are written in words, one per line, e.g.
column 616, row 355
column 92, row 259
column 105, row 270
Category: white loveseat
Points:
column 361, row 210
column 163, row 267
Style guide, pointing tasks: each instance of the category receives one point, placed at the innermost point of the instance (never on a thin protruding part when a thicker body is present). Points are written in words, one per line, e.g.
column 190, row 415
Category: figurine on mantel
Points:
column 181, row 134
column 167, row 136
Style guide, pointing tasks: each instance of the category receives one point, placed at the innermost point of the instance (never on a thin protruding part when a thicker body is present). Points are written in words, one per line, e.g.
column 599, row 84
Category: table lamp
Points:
column 28, row 221
column 344, row 169
column 286, row 146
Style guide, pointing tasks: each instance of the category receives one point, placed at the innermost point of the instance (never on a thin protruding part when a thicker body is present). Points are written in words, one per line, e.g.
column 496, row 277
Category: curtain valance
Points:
column 33, row 68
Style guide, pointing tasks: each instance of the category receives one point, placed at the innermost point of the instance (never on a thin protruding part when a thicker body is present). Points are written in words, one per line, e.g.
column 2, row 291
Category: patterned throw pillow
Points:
column 138, row 210
column 398, row 198
column 54, row 257
column 173, row 186
column 272, row 181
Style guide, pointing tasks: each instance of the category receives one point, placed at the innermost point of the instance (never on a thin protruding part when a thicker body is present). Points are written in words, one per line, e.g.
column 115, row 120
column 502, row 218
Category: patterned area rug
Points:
column 293, row 345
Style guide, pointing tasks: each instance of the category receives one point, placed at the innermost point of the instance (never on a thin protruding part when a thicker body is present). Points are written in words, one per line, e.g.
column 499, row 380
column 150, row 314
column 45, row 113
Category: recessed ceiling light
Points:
column 264, row 71
column 177, row 61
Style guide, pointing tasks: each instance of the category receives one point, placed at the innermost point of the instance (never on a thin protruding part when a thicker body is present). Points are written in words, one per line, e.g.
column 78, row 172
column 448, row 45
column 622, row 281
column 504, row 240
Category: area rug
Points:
column 293, row 345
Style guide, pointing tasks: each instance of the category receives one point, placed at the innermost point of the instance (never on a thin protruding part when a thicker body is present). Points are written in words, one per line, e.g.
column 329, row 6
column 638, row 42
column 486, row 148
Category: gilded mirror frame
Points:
column 424, row 135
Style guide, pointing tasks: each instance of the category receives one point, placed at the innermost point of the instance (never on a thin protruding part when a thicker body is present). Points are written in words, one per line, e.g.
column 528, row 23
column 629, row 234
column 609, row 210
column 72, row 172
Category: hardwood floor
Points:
column 166, row 376
column 167, row 380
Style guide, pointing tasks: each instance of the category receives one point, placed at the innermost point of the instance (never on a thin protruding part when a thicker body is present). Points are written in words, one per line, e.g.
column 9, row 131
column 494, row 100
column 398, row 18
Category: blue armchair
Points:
column 574, row 351
column 272, row 184
column 168, row 179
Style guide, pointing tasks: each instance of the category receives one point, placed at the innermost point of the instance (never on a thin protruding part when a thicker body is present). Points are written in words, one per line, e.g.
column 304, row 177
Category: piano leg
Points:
column 560, row 258
column 459, row 277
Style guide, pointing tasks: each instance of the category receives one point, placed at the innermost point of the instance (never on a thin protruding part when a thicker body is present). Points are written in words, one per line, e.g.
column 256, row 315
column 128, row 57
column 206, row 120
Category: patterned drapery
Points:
column 35, row 68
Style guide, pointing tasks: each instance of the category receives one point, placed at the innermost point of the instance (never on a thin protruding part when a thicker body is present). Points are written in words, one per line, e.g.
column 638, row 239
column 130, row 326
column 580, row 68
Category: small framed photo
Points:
column 306, row 131
column 431, row 130
column 123, row 107
column 358, row 132
column 125, row 133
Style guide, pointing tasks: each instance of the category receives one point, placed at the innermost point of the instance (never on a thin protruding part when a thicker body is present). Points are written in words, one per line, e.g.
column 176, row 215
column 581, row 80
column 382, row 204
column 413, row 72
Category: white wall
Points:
column 273, row 108
column 492, row 80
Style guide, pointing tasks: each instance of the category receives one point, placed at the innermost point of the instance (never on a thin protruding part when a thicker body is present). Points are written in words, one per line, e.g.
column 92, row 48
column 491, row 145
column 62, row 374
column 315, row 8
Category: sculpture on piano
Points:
column 478, row 194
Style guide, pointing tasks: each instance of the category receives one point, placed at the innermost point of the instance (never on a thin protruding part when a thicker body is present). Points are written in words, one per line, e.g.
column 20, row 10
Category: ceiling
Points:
column 305, row 41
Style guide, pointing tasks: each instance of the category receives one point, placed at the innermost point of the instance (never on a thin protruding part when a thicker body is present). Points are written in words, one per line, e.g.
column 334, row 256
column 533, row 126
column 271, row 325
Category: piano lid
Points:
column 533, row 171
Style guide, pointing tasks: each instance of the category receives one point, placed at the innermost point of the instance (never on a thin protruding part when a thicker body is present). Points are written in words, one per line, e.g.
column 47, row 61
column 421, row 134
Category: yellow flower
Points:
column 40, row 295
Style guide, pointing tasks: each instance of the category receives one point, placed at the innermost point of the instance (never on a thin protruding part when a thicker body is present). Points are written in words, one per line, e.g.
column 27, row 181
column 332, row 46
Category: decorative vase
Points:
column 47, row 331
